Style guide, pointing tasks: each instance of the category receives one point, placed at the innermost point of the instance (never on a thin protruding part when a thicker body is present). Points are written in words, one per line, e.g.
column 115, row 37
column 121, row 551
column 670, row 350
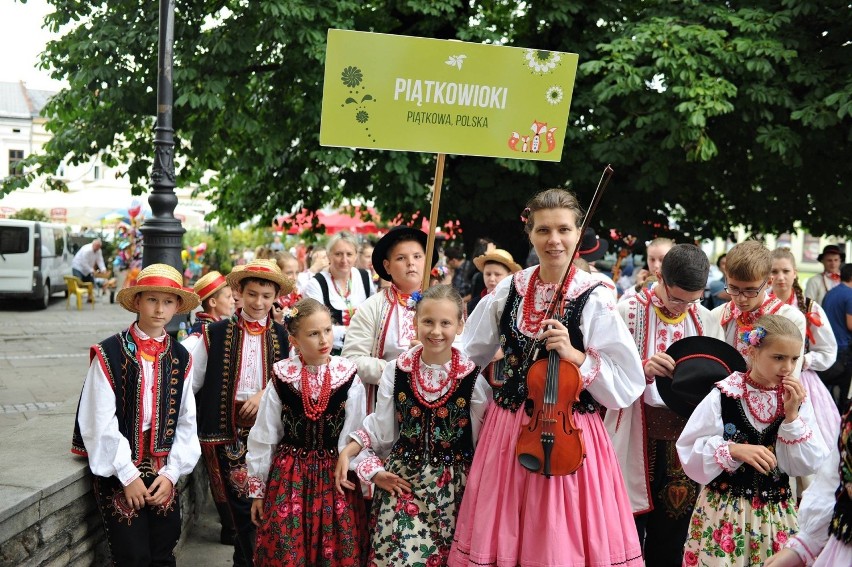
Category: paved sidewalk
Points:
column 44, row 356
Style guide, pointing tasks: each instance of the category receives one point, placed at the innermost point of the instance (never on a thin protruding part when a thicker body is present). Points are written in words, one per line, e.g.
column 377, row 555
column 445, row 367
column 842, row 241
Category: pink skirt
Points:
column 827, row 415
column 834, row 554
column 510, row 516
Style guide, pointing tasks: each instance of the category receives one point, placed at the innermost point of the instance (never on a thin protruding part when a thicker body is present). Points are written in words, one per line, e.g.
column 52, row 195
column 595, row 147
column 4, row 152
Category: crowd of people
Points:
column 538, row 416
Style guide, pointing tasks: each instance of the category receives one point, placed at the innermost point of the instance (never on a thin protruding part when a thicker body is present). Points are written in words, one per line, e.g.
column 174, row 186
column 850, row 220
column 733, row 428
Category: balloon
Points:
column 184, row 255
column 201, row 248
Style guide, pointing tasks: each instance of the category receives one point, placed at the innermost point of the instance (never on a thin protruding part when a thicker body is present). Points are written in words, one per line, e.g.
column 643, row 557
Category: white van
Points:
column 34, row 259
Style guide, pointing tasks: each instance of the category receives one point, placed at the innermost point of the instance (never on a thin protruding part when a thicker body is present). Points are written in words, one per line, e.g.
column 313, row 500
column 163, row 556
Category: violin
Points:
column 550, row 443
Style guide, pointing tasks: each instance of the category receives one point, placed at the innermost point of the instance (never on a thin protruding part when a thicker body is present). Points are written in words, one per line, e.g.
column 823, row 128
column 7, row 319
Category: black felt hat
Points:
column 700, row 362
column 591, row 247
column 385, row 243
column 832, row 249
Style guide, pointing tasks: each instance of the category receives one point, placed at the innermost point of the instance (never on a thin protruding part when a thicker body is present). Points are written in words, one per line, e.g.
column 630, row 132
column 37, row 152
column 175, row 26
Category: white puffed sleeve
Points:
column 198, row 351
column 108, row 450
column 816, row 510
column 379, row 431
column 800, row 447
column 612, row 371
column 263, row 438
column 823, row 349
column 356, row 410
column 703, row 451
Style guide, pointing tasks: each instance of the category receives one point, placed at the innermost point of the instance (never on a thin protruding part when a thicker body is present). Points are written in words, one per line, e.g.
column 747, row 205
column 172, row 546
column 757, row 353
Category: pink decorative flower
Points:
column 297, row 509
column 781, row 537
column 717, row 536
column 727, row 545
column 339, row 505
column 776, row 547
column 328, row 552
column 284, row 508
column 690, row 559
column 727, row 528
column 434, row 561
column 444, row 479
column 756, row 503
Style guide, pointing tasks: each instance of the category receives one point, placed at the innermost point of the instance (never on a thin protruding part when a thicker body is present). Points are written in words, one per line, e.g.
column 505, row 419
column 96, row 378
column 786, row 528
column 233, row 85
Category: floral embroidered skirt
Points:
column 416, row 528
column 733, row 531
column 305, row 520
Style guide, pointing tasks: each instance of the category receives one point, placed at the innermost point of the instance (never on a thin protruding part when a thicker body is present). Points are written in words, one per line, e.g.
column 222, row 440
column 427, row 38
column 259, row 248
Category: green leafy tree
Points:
column 713, row 114
column 32, row 214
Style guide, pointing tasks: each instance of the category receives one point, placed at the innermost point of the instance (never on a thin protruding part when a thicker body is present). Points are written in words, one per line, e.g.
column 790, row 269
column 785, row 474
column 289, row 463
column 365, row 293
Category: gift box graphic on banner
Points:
column 438, row 96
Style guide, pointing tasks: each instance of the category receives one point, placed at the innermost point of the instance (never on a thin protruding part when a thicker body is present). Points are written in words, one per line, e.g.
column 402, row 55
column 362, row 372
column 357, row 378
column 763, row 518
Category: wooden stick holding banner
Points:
column 433, row 218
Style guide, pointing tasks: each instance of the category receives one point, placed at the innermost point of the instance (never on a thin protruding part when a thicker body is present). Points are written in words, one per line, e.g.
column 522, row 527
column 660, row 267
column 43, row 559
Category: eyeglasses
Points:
column 750, row 293
column 676, row 301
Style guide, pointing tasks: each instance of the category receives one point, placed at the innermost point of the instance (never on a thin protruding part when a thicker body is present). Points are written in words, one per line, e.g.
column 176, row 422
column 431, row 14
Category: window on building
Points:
column 15, row 159
column 97, row 172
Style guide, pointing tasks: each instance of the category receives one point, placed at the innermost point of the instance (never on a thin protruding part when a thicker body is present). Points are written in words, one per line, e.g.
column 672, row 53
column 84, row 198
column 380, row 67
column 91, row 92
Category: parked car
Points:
column 34, row 259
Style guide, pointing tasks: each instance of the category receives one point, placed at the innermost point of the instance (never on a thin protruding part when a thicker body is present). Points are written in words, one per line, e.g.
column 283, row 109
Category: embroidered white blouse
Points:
column 705, row 454
column 381, row 429
column 612, row 371
column 357, row 296
column 109, row 450
column 267, row 430
column 251, row 362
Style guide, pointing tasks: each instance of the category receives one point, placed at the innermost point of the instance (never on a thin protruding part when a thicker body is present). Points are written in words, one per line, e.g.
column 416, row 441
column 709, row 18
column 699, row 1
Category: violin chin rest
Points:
column 529, row 462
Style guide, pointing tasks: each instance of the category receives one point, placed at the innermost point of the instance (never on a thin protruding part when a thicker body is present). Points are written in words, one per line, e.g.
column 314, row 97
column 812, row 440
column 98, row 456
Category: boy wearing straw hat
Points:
column 217, row 300
column 232, row 364
column 136, row 422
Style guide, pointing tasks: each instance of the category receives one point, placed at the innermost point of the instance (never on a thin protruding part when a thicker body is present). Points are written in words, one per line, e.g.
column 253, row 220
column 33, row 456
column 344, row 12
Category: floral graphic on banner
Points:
column 542, row 62
column 554, row 95
column 352, row 77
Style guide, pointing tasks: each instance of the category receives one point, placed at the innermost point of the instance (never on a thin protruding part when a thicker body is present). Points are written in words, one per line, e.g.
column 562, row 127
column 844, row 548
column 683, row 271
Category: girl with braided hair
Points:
column 820, row 344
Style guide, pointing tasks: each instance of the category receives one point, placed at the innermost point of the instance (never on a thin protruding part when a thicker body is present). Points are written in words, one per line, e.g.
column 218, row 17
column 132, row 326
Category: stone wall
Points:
column 47, row 511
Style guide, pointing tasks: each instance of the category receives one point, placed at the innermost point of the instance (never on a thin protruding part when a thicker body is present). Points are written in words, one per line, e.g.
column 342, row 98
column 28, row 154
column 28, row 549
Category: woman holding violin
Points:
column 521, row 506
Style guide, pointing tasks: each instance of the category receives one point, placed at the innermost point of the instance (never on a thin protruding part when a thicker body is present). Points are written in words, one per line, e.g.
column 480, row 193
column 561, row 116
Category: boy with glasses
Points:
column 748, row 268
column 644, row 434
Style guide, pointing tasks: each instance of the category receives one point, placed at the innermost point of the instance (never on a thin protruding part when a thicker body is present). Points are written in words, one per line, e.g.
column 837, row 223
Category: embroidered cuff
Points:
column 797, row 431
column 256, row 487
column 131, row 479
column 362, row 437
column 594, row 356
column 802, row 550
column 368, row 468
column 723, row 457
column 168, row 474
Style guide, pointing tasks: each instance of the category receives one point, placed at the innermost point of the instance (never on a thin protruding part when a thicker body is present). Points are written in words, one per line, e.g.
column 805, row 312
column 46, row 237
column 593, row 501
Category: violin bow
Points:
column 596, row 199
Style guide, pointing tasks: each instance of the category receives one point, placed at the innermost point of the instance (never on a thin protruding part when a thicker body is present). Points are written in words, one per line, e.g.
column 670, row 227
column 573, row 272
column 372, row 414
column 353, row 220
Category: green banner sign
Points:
column 438, row 96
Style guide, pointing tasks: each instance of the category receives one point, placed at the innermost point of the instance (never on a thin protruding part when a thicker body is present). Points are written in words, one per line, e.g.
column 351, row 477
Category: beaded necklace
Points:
column 419, row 382
column 533, row 317
column 779, row 406
column 315, row 409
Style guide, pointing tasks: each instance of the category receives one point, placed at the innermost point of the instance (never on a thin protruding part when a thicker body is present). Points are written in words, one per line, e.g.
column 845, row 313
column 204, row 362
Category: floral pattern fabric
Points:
column 305, row 520
column 417, row 528
column 729, row 531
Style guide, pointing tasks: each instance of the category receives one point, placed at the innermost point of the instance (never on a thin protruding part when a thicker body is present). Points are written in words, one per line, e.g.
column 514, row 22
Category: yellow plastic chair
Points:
column 78, row 287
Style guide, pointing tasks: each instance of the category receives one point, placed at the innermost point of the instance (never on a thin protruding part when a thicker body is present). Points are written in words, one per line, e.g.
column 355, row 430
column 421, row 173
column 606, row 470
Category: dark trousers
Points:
column 217, row 487
column 145, row 537
column 838, row 377
column 90, row 278
column 232, row 468
column 664, row 530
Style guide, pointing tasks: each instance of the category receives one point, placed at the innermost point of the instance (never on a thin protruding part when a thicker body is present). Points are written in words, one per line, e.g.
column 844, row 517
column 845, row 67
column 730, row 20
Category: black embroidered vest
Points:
column 512, row 394
column 746, row 481
column 216, row 398
column 200, row 324
column 125, row 375
column 841, row 520
column 440, row 436
column 302, row 435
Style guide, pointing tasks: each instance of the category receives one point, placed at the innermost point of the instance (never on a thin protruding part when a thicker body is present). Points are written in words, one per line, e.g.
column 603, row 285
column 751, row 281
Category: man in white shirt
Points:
column 83, row 264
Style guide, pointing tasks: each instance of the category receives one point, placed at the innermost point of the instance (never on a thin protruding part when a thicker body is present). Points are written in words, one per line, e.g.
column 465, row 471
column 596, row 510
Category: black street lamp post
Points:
column 163, row 233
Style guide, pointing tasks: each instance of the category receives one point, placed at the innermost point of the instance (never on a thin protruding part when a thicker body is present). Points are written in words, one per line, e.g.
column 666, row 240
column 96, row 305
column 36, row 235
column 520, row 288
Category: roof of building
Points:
column 17, row 101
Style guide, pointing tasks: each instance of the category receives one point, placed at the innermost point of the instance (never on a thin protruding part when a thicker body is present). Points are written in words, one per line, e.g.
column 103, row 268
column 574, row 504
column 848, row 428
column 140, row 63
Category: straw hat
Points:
column 700, row 362
column 501, row 257
column 264, row 270
column 158, row 277
column 209, row 284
